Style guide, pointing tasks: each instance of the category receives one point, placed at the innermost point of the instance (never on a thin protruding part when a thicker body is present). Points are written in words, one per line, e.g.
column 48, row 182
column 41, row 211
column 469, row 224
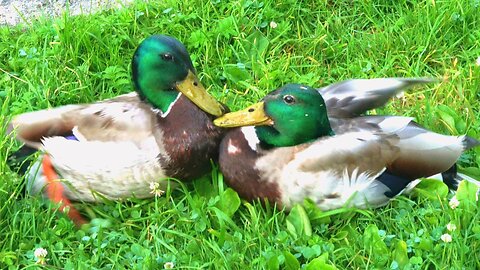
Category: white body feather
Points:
column 112, row 169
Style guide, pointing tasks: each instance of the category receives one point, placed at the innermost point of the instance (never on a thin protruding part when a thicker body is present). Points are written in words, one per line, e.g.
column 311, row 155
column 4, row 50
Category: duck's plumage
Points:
column 369, row 160
column 115, row 148
column 349, row 100
column 121, row 145
column 354, row 97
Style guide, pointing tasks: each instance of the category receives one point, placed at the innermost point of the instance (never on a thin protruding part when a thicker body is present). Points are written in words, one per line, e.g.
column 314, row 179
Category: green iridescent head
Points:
column 290, row 115
column 162, row 68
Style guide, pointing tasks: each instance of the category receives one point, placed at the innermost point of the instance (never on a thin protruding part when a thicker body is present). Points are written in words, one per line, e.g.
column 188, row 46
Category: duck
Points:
column 117, row 148
column 285, row 149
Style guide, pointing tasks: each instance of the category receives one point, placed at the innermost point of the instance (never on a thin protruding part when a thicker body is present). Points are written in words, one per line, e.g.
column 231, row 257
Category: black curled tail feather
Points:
column 20, row 160
column 451, row 178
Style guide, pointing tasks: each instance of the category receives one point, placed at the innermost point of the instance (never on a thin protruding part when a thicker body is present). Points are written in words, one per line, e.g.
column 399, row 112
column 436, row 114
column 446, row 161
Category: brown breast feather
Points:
column 240, row 169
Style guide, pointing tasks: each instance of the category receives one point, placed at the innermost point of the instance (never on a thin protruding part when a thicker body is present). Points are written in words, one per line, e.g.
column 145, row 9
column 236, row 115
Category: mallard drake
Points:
column 286, row 151
column 116, row 148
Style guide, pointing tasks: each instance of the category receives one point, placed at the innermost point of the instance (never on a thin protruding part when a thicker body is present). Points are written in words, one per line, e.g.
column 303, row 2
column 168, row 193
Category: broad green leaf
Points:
column 476, row 230
column 400, row 254
column 200, row 225
column 229, row 202
column 467, row 192
column 425, row 244
column 193, row 247
column 461, row 125
column 298, row 223
column 375, row 246
column 256, row 44
column 451, row 119
column 448, row 116
column 416, row 260
column 291, row 262
column 472, row 171
column 311, row 252
column 431, row 189
column 204, row 187
column 320, row 263
column 468, row 199
column 235, row 73
column 135, row 214
column 137, row 249
column 273, row 263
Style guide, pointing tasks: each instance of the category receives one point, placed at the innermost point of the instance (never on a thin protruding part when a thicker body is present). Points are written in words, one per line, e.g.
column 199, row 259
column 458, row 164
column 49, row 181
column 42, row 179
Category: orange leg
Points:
column 55, row 192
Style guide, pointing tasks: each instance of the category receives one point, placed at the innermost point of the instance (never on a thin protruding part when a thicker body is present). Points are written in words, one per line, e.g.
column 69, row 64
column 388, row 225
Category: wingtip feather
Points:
column 469, row 142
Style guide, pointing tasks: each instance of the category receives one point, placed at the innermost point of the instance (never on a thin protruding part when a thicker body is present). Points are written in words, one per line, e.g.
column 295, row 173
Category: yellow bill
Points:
column 194, row 90
column 253, row 115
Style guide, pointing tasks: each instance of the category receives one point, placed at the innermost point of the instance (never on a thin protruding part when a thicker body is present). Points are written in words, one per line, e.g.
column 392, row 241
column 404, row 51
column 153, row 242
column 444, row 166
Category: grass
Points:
column 241, row 57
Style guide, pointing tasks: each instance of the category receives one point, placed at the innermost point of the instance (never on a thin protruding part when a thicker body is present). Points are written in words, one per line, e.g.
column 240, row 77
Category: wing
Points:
column 422, row 153
column 124, row 118
column 337, row 171
column 354, row 97
column 354, row 151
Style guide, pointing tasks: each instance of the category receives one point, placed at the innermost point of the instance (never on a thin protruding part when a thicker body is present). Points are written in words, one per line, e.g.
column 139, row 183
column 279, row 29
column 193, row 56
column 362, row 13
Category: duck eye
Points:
column 166, row 56
column 289, row 99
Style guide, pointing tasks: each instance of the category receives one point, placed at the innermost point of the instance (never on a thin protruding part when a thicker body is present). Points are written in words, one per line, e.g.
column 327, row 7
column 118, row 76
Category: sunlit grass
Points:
column 240, row 55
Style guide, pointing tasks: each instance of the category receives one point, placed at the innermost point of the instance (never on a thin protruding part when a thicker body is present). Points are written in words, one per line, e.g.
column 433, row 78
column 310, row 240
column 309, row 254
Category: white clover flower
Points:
column 447, row 238
column 153, row 185
column 451, row 227
column 273, row 24
column 478, row 62
column 40, row 254
column 168, row 265
column 454, row 202
column 155, row 189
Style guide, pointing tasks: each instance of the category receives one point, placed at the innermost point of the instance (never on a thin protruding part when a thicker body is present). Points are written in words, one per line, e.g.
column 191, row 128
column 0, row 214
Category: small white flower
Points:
column 155, row 189
column 168, row 265
column 273, row 24
column 451, row 227
column 454, row 202
column 40, row 254
column 447, row 238
column 478, row 62
column 153, row 185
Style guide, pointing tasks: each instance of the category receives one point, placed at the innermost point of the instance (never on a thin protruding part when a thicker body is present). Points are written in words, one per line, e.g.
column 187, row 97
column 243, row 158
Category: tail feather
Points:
column 470, row 142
